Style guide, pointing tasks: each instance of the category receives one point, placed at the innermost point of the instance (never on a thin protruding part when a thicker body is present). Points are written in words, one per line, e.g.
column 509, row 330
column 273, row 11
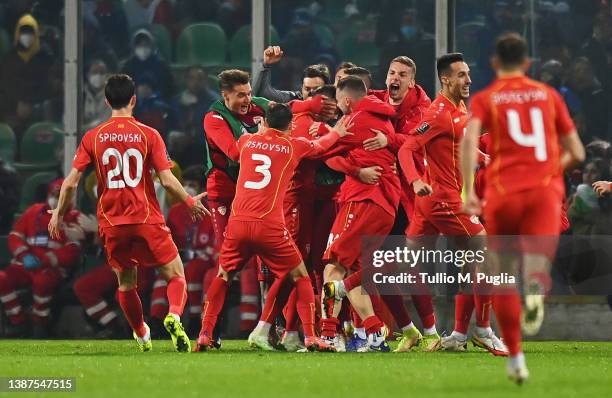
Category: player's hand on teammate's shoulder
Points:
column 272, row 55
column 198, row 210
column 377, row 142
column 602, row 187
column 370, row 175
column 313, row 130
column 472, row 205
column 343, row 127
column 421, row 188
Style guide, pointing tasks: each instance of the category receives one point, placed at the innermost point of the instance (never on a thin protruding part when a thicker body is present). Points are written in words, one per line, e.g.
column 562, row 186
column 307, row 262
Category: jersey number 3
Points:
column 122, row 167
column 537, row 139
column 263, row 169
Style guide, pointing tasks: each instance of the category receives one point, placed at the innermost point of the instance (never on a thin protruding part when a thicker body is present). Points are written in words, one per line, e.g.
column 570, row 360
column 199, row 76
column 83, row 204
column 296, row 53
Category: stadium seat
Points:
column 163, row 40
column 240, row 46
column 40, row 146
column 8, row 143
column 5, row 43
column 32, row 186
column 362, row 52
column 201, row 44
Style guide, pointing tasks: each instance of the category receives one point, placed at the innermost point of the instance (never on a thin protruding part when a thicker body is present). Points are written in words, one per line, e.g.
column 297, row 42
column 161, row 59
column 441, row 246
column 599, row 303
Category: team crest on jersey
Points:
column 222, row 210
column 423, row 128
column 475, row 220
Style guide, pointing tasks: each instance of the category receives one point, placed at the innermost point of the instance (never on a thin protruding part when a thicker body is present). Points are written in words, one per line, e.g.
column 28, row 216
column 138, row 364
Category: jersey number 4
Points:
column 122, row 166
column 263, row 169
column 537, row 139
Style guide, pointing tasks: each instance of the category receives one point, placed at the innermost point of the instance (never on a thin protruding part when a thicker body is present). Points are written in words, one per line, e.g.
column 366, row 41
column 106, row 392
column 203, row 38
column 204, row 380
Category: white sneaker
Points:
column 454, row 343
column 340, row 343
column 491, row 343
column 533, row 312
column 378, row 341
column 517, row 373
column 291, row 341
column 258, row 340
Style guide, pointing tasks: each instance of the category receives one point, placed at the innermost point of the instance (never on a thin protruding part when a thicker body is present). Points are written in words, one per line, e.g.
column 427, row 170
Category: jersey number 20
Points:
column 122, row 167
column 263, row 169
column 537, row 139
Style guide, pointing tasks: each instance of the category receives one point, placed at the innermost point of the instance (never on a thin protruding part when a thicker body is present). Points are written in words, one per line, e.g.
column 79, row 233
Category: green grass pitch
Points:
column 118, row 369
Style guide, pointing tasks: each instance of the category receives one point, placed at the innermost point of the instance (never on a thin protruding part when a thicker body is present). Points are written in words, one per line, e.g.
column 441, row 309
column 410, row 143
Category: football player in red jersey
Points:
column 131, row 224
column 533, row 139
column 438, row 204
column 257, row 227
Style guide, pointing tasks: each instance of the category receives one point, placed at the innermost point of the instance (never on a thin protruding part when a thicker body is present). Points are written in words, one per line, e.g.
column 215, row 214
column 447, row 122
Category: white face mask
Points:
column 52, row 202
column 26, row 39
column 142, row 52
column 190, row 191
column 97, row 80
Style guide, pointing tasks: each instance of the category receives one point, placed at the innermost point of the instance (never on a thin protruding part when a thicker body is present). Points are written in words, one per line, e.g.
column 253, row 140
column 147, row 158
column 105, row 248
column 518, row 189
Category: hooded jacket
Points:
column 410, row 112
column 28, row 53
column 370, row 113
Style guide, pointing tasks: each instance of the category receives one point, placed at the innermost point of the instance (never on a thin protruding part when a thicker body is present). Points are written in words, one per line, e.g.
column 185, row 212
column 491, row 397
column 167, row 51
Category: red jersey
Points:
column 370, row 113
column 267, row 163
column 191, row 237
column 525, row 119
column 124, row 151
column 439, row 136
column 222, row 145
column 410, row 112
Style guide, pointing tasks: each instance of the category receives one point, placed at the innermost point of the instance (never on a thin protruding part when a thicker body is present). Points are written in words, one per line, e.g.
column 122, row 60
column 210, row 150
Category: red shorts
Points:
column 131, row 245
column 245, row 238
column 535, row 214
column 432, row 218
column 298, row 220
column 354, row 221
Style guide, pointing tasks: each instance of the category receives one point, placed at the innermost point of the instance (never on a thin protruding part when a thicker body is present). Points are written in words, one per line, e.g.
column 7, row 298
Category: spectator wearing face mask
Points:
column 189, row 107
column 23, row 76
column 145, row 60
column 95, row 109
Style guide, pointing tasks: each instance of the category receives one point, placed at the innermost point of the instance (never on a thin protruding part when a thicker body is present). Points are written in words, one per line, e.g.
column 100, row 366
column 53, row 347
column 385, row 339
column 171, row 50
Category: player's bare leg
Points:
column 176, row 291
column 305, row 304
column 132, row 307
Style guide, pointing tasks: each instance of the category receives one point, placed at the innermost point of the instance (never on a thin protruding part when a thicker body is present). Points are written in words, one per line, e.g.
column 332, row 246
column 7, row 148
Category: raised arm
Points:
column 262, row 81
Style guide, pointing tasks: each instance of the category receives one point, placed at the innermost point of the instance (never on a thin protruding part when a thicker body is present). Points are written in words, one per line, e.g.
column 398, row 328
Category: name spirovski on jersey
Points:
column 519, row 96
column 120, row 137
column 264, row 146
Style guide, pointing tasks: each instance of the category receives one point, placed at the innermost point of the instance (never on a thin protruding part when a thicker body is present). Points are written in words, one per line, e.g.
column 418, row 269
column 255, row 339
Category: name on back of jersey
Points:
column 519, row 96
column 264, row 146
column 120, row 137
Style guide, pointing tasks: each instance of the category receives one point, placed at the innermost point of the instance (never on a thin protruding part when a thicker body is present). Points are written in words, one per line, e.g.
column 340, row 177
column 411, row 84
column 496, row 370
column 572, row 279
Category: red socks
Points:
column 352, row 281
column 275, row 299
column 464, row 305
column 424, row 307
column 483, row 310
column 305, row 304
column 132, row 308
column 213, row 305
column 372, row 324
column 177, row 295
column 329, row 326
column 290, row 313
column 508, row 312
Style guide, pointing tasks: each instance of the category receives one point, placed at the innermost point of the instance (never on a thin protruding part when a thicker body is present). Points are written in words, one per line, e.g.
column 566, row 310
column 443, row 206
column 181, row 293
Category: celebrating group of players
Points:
column 295, row 186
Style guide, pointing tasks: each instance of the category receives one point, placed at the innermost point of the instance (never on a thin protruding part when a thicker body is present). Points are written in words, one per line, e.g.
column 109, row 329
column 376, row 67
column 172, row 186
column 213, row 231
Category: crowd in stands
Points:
column 571, row 47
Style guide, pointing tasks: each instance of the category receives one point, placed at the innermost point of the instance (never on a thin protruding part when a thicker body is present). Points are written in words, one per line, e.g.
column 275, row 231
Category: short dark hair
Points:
column 345, row 65
column 279, row 116
column 402, row 59
column 328, row 90
column 358, row 71
column 317, row 70
column 119, row 90
column 353, row 84
column 511, row 49
column 232, row 77
column 443, row 64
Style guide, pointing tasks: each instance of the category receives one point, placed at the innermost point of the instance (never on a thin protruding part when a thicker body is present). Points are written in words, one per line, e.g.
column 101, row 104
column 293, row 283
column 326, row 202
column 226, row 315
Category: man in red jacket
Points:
column 38, row 261
column 365, row 209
